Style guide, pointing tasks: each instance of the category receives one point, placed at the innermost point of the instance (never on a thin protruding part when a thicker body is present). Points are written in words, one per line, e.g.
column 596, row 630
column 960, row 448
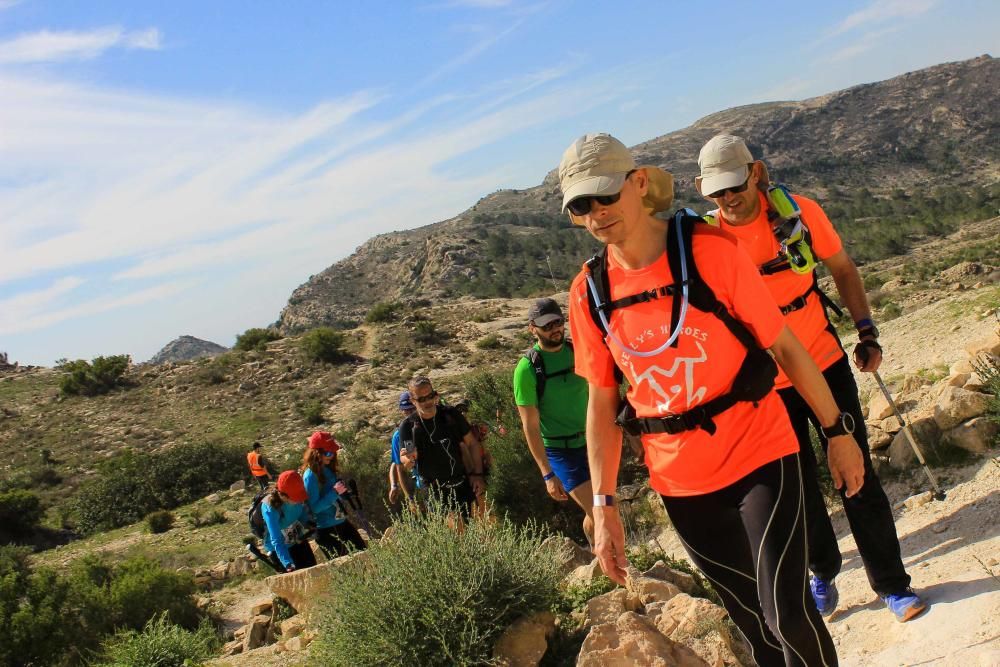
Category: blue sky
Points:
column 179, row 168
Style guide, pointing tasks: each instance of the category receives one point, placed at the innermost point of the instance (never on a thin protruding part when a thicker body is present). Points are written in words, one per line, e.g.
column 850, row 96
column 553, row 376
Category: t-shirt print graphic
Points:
column 666, row 395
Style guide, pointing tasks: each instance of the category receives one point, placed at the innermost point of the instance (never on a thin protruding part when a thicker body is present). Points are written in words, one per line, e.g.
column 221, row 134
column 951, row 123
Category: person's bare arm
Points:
column 532, row 428
column 604, row 448
column 852, row 292
column 843, row 455
column 472, row 457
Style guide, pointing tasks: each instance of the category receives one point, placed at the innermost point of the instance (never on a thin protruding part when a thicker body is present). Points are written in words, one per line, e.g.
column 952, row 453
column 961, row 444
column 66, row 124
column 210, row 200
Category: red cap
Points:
column 323, row 440
column 290, row 483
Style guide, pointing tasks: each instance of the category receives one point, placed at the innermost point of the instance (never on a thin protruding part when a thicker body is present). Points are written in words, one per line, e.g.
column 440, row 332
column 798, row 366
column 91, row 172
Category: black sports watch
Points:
column 843, row 426
column 866, row 327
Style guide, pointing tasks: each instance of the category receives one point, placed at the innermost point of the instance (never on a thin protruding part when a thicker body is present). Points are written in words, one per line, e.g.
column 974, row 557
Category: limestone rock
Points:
column 890, row 425
column 919, row 500
column 302, row 588
column 585, row 574
column 988, row 345
column 877, row 438
column 684, row 615
column 257, row 632
column 606, row 608
column 525, row 641
column 234, row 647
column 976, row 435
column 633, row 640
column 290, row 627
column 956, row 405
column 681, row 580
column 926, row 434
column 960, row 367
column 238, row 486
column 878, row 408
column 958, row 380
column 261, row 608
column 647, row 589
column 570, row 554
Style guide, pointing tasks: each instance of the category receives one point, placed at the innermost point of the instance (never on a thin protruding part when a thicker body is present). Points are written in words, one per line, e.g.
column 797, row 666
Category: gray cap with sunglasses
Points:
column 544, row 311
column 596, row 165
column 724, row 164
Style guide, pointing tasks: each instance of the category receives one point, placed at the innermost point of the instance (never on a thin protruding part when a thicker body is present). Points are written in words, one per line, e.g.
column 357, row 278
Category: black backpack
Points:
column 255, row 516
column 756, row 374
column 534, row 357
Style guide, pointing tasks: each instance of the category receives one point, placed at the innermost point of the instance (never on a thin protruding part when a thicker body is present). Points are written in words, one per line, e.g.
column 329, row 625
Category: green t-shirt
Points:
column 564, row 405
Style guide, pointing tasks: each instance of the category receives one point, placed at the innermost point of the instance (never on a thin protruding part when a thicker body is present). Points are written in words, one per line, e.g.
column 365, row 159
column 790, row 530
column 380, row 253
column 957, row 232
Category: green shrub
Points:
column 312, row 412
column 159, row 521
column 434, row 596
column 20, row 512
column 490, row 342
column 151, row 482
column 92, row 379
column 255, row 339
column 323, row 344
column 426, row 332
column 160, row 644
column 988, row 370
column 890, row 311
column 49, row 618
column 383, row 312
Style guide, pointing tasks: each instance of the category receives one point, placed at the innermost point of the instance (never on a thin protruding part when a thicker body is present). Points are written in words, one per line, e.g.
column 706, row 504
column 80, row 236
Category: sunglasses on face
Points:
column 554, row 324
column 327, row 453
column 736, row 189
column 426, row 398
column 582, row 205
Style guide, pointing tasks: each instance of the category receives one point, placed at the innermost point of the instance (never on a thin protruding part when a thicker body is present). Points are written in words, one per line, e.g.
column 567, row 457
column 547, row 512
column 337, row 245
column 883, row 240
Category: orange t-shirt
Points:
column 700, row 368
column 809, row 324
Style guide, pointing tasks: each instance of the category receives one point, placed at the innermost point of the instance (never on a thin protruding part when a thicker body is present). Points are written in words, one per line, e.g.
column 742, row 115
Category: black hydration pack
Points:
column 255, row 516
column 755, row 377
column 534, row 357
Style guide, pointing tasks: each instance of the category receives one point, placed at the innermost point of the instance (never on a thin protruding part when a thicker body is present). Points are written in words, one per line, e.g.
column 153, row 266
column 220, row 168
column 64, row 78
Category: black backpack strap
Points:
column 534, row 358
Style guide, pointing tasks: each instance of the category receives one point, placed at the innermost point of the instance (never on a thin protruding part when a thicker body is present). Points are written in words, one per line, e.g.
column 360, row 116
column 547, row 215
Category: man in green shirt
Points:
column 552, row 402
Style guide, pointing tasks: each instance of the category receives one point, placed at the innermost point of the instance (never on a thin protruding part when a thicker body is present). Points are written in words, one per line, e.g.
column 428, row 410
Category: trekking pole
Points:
column 354, row 500
column 551, row 275
column 938, row 493
column 262, row 557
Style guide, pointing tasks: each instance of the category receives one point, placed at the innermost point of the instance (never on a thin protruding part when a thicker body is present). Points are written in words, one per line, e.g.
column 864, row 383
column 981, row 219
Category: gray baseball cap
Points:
column 544, row 311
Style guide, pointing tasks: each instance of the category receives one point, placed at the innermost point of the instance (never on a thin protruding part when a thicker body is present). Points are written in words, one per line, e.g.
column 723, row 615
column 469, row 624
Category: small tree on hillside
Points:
column 255, row 339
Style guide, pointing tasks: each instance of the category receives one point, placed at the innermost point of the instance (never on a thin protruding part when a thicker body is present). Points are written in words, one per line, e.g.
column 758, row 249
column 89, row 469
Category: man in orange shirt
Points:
column 684, row 317
column 736, row 183
column 258, row 466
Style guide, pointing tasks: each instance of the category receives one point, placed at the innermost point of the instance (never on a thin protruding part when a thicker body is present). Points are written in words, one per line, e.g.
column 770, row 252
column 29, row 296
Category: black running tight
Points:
column 339, row 540
column 749, row 540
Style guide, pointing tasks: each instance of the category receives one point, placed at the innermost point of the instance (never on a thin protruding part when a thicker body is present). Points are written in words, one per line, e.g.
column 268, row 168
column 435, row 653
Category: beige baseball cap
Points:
column 723, row 161
column 597, row 164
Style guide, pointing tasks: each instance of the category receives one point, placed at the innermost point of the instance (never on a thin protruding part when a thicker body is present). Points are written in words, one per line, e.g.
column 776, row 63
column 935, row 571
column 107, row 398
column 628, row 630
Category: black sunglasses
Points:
column 425, row 399
column 736, row 189
column 554, row 324
column 581, row 205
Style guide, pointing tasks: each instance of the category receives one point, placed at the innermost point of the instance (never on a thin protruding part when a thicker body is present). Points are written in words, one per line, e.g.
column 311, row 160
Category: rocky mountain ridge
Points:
column 186, row 348
column 890, row 138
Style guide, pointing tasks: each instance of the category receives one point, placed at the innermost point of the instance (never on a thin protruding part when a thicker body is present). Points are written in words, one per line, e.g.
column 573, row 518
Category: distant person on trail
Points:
column 678, row 310
column 258, row 466
column 759, row 217
column 401, row 481
column 286, row 521
column 439, row 440
column 552, row 403
column 335, row 535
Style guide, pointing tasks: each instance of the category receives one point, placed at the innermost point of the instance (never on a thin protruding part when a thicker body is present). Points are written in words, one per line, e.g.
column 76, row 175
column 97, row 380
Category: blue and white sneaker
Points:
column 905, row 604
column 825, row 595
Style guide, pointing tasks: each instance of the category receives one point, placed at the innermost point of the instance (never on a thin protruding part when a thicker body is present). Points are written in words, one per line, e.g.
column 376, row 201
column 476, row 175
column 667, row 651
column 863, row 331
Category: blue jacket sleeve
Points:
column 276, row 538
column 395, row 448
column 319, row 501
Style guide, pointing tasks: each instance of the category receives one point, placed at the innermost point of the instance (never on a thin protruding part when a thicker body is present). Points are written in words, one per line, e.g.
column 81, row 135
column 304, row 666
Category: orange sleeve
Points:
column 738, row 284
column 825, row 240
column 594, row 362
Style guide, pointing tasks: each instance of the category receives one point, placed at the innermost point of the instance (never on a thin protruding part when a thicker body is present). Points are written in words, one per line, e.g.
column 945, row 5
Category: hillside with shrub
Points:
column 893, row 162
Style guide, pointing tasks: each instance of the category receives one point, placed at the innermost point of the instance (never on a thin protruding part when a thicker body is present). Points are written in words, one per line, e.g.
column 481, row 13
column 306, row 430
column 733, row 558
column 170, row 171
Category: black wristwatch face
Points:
column 843, row 426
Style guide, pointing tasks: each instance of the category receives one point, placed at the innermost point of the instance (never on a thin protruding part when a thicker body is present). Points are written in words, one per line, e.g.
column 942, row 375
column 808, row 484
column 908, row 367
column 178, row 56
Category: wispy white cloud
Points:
column 49, row 46
column 863, row 44
column 32, row 312
column 883, row 10
column 7, row 4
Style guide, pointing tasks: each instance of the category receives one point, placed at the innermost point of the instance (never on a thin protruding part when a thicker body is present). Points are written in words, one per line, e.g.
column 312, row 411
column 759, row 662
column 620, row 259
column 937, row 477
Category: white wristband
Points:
column 604, row 501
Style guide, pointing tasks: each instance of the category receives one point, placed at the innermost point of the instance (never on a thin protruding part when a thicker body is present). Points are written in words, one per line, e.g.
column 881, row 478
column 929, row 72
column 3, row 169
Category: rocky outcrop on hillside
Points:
column 186, row 348
column 931, row 126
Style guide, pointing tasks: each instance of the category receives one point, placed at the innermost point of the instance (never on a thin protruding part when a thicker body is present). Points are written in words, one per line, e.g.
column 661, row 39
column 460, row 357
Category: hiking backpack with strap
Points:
column 795, row 251
column 255, row 516
column 534, row 357
column 756, row 375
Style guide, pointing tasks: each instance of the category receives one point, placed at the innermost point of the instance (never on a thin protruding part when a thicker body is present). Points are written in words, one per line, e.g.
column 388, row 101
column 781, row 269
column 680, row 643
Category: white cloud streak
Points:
column 49, row 47
column 883, row 10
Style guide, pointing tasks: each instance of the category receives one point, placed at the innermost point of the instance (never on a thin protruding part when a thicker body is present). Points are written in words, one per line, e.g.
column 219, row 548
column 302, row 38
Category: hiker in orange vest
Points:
column 258, row 466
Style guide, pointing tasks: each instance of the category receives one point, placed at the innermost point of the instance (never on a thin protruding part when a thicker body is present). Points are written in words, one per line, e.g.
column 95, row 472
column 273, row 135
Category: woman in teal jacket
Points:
column 335, row 535
column 286, row 517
